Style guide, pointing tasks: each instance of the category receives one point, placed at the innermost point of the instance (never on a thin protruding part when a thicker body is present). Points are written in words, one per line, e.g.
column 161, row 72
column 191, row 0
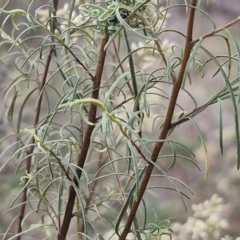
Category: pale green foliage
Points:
column 51, row 100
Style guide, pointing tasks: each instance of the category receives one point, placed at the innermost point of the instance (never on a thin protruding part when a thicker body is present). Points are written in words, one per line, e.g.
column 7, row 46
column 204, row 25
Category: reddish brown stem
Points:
column 86, row 143
column 167, row 122
column 30, row 150
column 217, row 30
column 36, row 120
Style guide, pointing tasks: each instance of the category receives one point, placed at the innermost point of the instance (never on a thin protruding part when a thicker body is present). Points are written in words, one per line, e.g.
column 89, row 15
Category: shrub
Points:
column 94, row 107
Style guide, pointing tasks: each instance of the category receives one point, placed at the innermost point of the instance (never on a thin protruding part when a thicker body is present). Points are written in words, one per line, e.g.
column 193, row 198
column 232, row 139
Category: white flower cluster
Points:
column 229, row 238
column 206, row 223
column 209, row 207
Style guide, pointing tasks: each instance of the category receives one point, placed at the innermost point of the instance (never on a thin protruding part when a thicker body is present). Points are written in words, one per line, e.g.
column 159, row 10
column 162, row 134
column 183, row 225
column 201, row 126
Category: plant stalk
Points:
column 167, row 123
column 86, row 143
column 36, row 120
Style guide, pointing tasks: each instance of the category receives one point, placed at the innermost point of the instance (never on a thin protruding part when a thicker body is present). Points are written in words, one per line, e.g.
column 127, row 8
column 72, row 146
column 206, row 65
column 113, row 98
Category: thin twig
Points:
column 164, row 60
column 9, row 227
column 118, row 106
column 186, row 117
column 167, row 122
column 80, row 63
column 36, row 120
column 90, row 196
column 121, row 67
column 86, row 143
column 217, row 30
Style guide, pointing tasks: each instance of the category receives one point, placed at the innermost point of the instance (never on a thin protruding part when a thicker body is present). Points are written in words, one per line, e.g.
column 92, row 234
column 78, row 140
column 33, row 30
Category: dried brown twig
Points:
column 36, row 121
column 86, row 142
column 167, row 123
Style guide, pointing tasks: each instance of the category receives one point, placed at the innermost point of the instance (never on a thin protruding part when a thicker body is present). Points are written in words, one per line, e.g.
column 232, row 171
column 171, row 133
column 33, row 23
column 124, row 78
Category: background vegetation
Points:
column 55, row 74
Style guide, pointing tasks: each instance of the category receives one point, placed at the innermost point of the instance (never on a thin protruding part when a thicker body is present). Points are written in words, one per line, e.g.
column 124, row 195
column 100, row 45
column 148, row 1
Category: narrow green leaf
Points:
column 19, row 121
column 220, row 125
column 126, row 204
column 11, row 108
column 135, row 166
column 174, row 155
column 229, row 88
column 204, row 147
